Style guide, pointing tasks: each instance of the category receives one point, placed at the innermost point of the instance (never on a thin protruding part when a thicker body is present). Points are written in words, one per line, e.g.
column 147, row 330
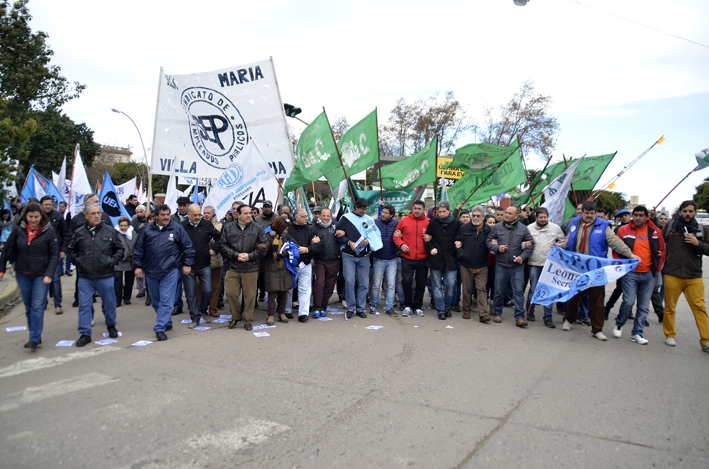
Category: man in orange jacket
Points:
column 409, row 239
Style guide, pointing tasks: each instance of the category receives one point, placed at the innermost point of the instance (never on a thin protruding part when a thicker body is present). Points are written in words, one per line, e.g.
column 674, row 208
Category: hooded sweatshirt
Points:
column 413, row 229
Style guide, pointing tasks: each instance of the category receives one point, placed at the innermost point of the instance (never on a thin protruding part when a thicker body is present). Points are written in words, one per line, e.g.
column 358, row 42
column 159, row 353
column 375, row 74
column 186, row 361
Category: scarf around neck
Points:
column 446, row 221
column 128, row 234
column 320, row 223
column 510, row 226
column 679, row 224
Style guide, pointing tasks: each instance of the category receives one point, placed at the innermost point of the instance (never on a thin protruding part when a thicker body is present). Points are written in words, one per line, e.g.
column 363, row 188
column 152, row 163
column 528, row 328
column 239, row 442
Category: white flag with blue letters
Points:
column 567, row 273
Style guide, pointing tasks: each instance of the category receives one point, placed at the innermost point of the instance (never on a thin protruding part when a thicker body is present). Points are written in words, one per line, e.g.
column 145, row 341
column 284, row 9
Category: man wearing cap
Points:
column 266, row 217
column 316, row 213
column 181, row 214
column 624, row 217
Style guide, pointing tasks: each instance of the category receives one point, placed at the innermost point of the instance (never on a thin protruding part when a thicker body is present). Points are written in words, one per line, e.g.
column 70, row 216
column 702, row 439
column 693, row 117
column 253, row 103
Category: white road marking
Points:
column 57, row 388
column 42, row 363
column 248, row 432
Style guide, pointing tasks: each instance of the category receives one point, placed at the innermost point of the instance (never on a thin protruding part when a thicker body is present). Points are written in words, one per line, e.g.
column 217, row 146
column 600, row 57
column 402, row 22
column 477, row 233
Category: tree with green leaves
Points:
column 701, row 197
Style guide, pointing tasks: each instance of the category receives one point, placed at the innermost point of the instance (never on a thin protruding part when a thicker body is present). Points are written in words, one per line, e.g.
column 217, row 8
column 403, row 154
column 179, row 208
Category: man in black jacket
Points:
column 200, row 232
column 95, row 249
column 471, row 244
column 441, row 261
column 326, row 262
column 243, row 244
column 59, row 225
column 301, row 233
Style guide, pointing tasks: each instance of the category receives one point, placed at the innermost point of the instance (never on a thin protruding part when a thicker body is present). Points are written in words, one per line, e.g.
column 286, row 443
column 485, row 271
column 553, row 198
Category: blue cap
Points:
column 622, row 212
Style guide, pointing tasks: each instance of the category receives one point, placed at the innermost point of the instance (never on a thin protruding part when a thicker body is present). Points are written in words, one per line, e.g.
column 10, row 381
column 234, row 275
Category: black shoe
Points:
column 75, row 304
column 126, row 302
column 112, row 332
column 140, row 295
column 118, row 305
column 456, row 307
column 289, row 315
column 220, row 305
column 262, row 298
column 83, row 340
column 362, row 314
column 448, row 314
column 176, row 311
column 442, row 316
column 160, row 336
column 549, row 324
column 348, row 314
column 530, row 317
column 432, row 305
column 391, row 312
column 148, row 301
column 509, row 304
column 32, row 345
column 69, row 274
column 168, row 328
column 585, row 322
column 303, row 318
column 660, row 318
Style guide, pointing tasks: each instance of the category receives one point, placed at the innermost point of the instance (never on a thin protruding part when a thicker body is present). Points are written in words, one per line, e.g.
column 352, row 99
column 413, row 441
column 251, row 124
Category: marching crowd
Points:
column 257, row 255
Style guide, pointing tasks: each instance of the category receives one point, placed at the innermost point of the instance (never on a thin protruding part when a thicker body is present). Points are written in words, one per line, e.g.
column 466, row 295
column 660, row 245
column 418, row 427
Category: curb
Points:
column 10, row 293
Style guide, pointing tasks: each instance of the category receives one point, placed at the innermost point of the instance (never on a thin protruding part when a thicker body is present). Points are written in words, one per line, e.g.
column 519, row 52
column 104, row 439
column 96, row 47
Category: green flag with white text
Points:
column 413, row 171
column 316, row 154
column 481, row 158
column 359, row 147
column 511, row 173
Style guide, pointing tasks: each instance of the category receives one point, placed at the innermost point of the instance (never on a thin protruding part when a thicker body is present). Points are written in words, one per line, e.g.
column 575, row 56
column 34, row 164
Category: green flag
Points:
column 481, row 158
column 316, row 154
column 510, row 174
column 413, row 171
column 586, row 176
column 359, row 148
column 399, row 199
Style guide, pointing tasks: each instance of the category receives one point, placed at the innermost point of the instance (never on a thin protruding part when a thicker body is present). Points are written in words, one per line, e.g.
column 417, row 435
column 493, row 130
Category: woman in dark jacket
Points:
column 124, row 269
column 34, row 248
column 278, row 279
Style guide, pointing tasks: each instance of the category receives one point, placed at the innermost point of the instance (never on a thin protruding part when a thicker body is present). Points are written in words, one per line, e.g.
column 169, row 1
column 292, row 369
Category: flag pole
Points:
column 576, row 201
column 471, row 194
column 149, row 195
column 340, row 157
column 671, row 190
column 381, row 185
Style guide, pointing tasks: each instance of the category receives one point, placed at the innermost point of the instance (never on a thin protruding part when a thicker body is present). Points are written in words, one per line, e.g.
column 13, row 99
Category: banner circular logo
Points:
column 217, row 130
column 109, row 204
column 231, row 177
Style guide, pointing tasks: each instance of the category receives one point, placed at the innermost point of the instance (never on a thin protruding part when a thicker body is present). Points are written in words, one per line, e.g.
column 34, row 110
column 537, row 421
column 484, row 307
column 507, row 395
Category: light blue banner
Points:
column 567, row 273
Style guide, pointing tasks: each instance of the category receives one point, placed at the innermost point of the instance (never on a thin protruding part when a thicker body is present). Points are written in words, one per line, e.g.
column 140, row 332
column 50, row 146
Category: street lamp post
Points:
column 145, row 155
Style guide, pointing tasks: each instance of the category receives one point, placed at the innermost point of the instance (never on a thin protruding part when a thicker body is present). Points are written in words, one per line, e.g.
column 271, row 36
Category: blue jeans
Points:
column 583, row 307
column 205, row 285
column 162, row 293
column 400, row 284
column 356, row 269
column 305, row 289
column 515, row 276
column 443, row 284
column 34, row 296
column 534, row 272
column 105, row 289
column 56, row 284
column 636, row 285
column 66, row 260
column 178, row 292
column 384, row 267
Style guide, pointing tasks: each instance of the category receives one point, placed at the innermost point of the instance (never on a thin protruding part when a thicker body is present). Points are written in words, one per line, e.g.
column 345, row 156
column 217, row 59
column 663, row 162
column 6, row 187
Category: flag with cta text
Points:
column 567, row 273
column 315, row 156
column 481, row 158
column 359, row 147
column 412, row 172
column 510, row 174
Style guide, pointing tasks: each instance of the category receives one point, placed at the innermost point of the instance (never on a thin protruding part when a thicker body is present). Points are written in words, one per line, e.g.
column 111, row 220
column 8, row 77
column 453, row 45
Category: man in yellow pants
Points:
column 686, row 242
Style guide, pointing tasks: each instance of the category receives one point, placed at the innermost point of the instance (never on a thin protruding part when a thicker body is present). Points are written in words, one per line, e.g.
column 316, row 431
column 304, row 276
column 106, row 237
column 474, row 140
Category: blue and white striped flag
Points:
column 567, row 273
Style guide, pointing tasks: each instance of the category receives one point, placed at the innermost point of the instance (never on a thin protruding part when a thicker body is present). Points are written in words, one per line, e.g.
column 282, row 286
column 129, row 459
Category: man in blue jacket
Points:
column 385, row 260
column 162, row 250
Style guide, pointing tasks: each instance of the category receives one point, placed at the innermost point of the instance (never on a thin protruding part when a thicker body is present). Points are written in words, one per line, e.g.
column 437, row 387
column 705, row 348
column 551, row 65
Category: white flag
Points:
column 172, row 193
column 79, row 184
column 59, row 180
column 125, row 189
column 248, row 178
column 38, row 189
column 208, row 118
column 337, row 194
column 556, row 192
column 141, row 194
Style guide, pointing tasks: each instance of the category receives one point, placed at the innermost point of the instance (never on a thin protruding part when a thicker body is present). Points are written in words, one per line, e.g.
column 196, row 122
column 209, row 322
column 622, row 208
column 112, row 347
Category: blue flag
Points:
column 37, row 186
column 567, row 273
column 110, row 203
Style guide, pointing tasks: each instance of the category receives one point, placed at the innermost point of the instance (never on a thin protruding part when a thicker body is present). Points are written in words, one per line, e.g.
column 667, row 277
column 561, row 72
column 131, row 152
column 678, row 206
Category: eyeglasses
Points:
column 476, row 216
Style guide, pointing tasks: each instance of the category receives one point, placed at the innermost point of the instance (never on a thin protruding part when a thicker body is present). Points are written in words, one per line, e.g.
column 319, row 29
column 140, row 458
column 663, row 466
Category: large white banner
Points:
column 248, row 179
column 205, row 120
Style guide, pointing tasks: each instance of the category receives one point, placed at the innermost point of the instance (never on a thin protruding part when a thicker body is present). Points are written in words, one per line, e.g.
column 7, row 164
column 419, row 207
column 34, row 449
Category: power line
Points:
column 640, row 24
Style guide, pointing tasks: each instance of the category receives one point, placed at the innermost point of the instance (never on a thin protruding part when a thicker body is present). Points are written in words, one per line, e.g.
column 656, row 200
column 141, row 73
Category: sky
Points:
column 616, row 85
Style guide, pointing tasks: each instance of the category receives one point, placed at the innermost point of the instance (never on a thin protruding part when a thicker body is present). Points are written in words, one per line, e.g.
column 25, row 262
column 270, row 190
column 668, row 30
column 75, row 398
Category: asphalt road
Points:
column 330, row 394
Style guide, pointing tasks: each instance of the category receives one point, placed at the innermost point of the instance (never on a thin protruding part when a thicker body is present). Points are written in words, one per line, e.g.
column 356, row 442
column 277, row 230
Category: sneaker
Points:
column 670, row 341
column 705, row 348
column 390, row 312
column 456, row 307
column 566, row 326
column 600, row 336
column 618, row 332
column 323, row 314
column 58, row 310
column 549, row 324
column 639, row 339
column 193, row 324
column 316, row 314
column 206, row 317
column 419, row 313
column 407, row 312
column 344, row 303
column 585, row 322
column 112, row 332
column 83, row 340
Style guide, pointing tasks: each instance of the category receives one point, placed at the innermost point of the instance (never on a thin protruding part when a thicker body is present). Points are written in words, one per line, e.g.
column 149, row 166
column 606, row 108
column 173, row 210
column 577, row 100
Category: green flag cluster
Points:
column 511, row 173
column 316, row 154
column 481, row 158
column 412, row 172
